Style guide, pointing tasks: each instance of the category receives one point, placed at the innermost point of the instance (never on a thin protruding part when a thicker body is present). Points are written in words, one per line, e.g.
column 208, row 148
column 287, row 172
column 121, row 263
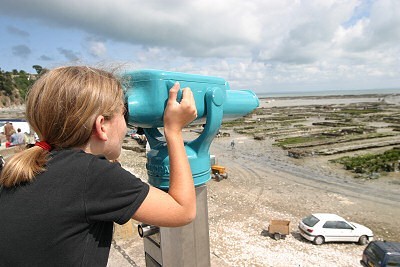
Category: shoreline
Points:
column 266, row 102
column 328, row 96
column 330, row 93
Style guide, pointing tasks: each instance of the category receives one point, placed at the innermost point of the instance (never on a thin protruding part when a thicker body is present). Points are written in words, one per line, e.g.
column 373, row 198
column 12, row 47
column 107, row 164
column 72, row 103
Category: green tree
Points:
column 23, row 83
column 6, row 84
column 38, row 68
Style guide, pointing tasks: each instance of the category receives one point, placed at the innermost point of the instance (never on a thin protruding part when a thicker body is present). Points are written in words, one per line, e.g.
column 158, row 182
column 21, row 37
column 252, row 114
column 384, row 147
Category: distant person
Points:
column 233, row 144
column 13, row 139
column 18, row 138
column 21, row 137
column 8, row 131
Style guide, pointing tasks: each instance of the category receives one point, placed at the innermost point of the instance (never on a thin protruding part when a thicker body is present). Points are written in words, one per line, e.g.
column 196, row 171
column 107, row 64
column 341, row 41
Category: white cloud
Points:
column 95, row 46
column 257, row 43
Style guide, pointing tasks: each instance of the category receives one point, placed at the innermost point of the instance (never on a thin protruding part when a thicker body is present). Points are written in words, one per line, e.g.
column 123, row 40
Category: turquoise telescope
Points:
column 146, row 97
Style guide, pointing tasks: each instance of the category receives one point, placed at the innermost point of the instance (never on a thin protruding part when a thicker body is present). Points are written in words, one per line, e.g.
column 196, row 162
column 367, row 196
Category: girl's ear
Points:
column 99, row 128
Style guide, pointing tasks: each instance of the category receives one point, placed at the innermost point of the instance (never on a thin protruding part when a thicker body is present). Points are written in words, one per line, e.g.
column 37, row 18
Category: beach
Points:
column 265, row 184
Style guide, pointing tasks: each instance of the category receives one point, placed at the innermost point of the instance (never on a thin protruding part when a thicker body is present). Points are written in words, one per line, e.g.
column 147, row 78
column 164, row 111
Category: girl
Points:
column 60, row 198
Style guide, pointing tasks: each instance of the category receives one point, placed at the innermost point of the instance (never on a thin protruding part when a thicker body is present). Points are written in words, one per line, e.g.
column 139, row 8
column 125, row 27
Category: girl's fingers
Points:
column 173, row 92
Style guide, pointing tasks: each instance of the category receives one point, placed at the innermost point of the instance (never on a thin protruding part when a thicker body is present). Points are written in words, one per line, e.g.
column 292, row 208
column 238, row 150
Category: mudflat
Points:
column 264, row 183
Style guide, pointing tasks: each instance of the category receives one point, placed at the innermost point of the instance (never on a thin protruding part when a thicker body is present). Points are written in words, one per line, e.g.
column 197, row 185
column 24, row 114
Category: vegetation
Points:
column 371, row 164
column 328, row 138
column 360, row 111
column 15, row 84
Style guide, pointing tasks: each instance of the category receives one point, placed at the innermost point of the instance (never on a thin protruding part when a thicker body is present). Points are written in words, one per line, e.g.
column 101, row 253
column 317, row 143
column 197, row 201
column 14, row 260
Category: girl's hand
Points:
column 178, row 115
column 178, row 206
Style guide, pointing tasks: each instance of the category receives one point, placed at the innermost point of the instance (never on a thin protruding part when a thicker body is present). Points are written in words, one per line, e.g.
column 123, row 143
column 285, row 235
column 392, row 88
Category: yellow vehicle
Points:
column 218, row 172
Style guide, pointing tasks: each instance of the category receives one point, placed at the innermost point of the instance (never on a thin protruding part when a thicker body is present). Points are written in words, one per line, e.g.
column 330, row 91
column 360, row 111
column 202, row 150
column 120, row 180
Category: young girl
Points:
column 60, row 198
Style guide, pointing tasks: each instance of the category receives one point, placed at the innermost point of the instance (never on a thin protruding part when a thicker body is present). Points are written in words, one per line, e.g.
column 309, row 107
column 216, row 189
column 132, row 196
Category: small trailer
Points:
column 279, row 228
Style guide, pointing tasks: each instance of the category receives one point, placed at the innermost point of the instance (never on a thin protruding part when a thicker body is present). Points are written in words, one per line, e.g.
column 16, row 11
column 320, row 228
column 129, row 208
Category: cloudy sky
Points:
column 263, row 45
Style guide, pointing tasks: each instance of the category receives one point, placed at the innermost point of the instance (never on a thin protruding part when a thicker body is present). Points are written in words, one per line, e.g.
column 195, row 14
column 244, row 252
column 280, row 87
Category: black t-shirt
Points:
column 65, row 216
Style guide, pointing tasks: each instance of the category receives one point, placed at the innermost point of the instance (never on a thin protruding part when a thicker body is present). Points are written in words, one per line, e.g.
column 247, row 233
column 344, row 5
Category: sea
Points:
column 327, row 93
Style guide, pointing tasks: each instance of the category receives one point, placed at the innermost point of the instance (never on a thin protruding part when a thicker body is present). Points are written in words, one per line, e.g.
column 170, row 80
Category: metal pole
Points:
column 188, row 245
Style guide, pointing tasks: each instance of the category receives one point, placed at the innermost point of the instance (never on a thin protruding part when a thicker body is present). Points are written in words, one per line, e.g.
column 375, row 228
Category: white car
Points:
column 326, row 227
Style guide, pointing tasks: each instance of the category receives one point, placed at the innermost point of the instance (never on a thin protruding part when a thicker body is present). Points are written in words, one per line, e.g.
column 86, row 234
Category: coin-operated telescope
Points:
column 146, row 98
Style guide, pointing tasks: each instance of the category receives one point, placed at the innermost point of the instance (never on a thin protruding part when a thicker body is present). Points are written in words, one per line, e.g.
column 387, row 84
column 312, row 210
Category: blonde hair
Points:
column 61, row 108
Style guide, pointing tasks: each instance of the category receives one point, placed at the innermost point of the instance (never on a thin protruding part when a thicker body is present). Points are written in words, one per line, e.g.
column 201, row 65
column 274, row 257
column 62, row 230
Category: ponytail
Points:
column 61, row 107
column 24, row 166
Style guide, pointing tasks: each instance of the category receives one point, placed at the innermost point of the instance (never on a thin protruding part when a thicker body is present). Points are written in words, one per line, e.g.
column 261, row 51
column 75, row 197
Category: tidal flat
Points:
column 266, row 182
